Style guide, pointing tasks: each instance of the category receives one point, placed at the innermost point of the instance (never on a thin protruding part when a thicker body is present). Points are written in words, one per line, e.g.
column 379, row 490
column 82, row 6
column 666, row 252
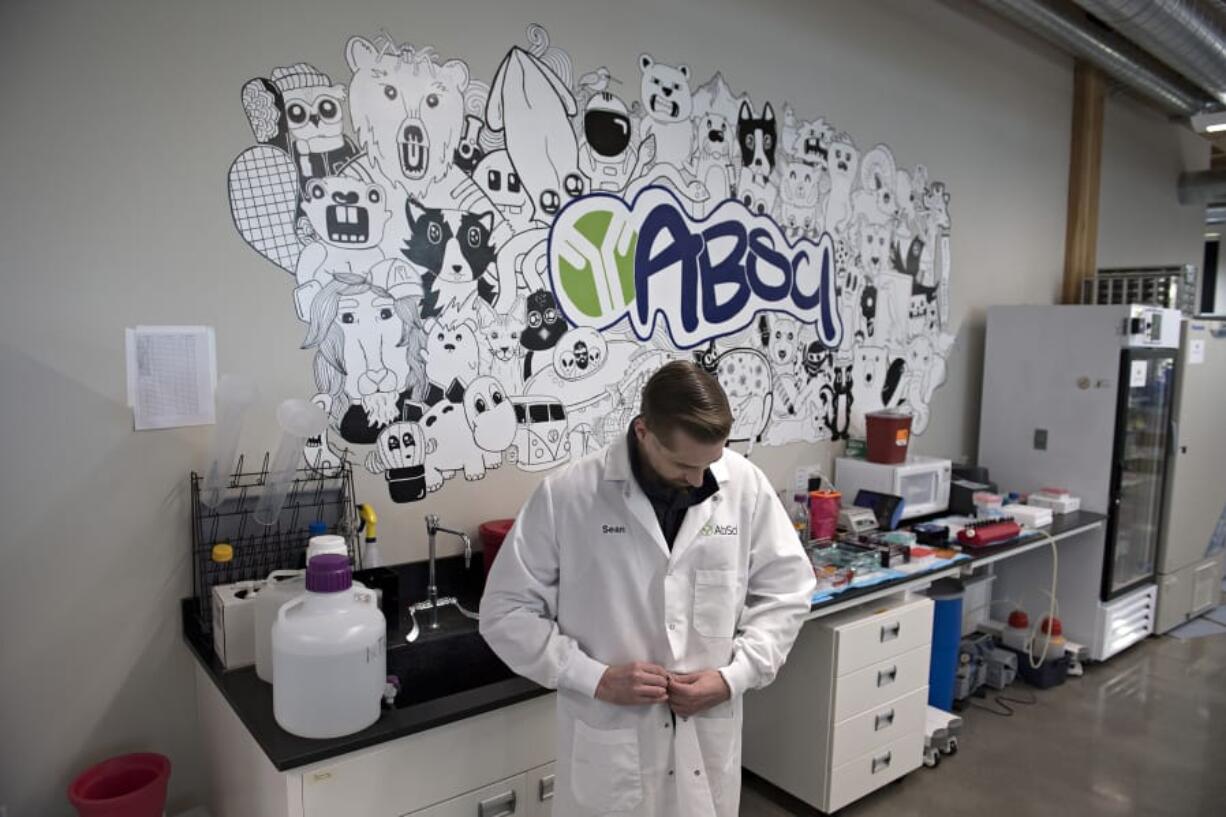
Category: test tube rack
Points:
column 316, row 494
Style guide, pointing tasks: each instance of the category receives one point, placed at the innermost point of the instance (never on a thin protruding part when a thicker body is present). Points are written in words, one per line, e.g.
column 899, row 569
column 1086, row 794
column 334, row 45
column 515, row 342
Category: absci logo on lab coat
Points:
column 610, row 260
column 718, row 530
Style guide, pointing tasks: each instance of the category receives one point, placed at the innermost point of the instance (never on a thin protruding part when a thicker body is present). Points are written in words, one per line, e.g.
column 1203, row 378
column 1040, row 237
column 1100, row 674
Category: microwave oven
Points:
column 922, row 482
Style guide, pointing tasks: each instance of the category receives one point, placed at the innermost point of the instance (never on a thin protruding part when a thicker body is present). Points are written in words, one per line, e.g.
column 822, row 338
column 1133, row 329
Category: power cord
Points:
column 1003, row 701
column 1051, row 608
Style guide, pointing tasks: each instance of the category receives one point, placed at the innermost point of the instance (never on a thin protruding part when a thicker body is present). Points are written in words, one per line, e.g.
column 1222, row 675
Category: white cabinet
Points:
column 440, row 772
column 540, row 791
column 846, row 714
column 525, row 795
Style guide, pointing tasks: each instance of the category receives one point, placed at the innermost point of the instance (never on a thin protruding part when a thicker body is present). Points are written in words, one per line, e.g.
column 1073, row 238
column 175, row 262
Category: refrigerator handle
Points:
column 1174, row 441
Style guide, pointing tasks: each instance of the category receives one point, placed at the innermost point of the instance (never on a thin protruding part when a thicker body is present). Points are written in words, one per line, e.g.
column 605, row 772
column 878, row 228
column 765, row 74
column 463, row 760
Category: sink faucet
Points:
column 432, row 589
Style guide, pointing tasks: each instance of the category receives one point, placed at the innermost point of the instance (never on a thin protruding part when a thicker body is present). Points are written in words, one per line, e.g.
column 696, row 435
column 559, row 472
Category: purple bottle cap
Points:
column 329, row 573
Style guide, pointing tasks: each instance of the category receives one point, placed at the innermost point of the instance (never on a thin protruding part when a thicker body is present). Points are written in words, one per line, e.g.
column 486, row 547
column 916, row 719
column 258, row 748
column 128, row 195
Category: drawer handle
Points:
column 885, row 677
column 890, row 632
column 884, row 719
column 499, row 806
column 546, row 788
column 882, row 762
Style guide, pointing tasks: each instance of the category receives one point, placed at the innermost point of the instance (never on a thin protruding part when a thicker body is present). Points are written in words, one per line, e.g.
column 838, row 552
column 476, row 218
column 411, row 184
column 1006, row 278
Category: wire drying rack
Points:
column 316, row 494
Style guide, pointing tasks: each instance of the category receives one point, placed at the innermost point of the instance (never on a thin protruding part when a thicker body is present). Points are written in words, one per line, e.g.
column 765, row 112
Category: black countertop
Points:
column 446, row 675
column 1061, row 524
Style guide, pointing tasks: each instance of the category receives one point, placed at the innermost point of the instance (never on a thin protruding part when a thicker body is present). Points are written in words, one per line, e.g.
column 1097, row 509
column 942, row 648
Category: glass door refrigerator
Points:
column 1080, row 397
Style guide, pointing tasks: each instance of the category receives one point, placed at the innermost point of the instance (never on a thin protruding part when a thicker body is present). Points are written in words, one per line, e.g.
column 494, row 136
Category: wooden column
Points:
column 1085, row 160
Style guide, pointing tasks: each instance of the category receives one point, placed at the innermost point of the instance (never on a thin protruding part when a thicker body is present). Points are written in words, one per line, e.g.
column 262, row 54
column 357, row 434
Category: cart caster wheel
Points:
column 952, row 747
column 931, row 759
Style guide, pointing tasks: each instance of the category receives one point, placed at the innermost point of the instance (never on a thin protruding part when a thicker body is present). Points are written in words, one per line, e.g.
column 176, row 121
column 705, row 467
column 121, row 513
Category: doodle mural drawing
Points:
column 487, row 269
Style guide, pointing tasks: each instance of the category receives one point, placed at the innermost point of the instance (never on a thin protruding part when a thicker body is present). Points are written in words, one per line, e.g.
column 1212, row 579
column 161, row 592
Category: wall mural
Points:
column 488, row 273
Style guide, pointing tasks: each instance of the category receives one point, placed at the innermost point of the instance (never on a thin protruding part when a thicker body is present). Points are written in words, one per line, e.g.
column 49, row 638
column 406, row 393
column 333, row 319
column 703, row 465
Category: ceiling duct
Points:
column 1115, row 56
column 1187, row 35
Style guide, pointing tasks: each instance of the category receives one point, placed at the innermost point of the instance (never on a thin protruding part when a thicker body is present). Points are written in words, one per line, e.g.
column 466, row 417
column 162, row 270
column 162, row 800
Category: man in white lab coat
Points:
column 652, row 584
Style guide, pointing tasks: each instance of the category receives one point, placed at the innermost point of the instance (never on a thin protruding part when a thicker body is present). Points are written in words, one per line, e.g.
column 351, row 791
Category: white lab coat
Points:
column 585, row 580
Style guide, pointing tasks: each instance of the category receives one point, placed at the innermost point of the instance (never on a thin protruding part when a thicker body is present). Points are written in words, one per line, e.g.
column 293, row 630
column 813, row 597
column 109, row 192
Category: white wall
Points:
column 121, row 120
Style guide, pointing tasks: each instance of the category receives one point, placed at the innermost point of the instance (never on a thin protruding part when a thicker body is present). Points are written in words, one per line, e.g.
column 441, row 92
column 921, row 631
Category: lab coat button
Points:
column 697, row 773
column 670, row 772
column 672, row 626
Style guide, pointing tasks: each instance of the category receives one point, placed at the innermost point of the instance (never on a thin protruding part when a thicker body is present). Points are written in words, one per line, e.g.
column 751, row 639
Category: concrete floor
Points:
column 1143, row 734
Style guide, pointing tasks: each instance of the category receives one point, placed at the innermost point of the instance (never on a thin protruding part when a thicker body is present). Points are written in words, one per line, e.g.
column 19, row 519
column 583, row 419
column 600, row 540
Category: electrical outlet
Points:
column 1040, row 439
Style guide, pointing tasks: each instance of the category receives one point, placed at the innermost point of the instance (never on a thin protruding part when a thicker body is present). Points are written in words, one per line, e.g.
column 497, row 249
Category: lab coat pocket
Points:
column 715, row 602
column 605, row 773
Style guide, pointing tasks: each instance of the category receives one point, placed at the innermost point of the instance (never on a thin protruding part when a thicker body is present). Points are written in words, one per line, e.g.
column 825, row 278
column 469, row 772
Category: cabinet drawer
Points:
column 504, row 799
column 871, row 771
column 879, row 726
column 540, row 791
column 884, row 681
column 882, row 634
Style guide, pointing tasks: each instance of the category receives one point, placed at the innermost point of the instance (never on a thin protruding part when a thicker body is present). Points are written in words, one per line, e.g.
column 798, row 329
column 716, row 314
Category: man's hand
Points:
column 694, row 692
column 633, row 684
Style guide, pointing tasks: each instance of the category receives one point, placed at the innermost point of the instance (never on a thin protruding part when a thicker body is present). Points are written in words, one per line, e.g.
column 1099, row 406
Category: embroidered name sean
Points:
column 612, row 528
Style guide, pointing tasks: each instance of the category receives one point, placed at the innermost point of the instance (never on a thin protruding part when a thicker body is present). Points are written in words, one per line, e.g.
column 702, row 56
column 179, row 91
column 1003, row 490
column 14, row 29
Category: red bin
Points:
column 124, row 786
column 492, row 533
column 889, row 434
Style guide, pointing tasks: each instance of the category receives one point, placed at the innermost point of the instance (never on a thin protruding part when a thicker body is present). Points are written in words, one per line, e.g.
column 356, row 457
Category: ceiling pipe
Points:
column 1204, row 187
column 1114, row 55
column 1185, row 34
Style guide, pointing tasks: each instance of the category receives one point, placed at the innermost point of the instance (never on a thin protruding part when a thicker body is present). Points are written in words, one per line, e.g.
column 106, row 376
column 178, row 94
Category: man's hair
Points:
column 681, row 395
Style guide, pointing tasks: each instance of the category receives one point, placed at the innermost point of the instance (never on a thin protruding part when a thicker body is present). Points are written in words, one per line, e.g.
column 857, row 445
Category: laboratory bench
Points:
column 465, row 732
column 847, row 713
column 1063, row 527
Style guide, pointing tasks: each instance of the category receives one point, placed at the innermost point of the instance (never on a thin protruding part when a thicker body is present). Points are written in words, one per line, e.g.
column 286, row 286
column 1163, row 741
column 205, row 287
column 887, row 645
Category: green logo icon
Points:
column 594, row 257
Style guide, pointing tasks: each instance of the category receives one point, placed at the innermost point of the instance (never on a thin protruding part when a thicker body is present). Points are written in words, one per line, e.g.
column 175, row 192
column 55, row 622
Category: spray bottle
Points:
column 371, row 557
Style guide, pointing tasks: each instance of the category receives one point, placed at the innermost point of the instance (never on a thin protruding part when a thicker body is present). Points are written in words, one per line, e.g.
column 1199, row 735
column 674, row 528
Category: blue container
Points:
column 946, row 636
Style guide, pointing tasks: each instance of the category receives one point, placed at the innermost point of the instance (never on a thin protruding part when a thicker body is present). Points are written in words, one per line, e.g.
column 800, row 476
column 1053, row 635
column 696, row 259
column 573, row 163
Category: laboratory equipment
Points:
column 329, row 653
column 856, row 520
column 888, row 434
column 1082, row 396
column 234, row 623
column 988, row 532
column 922, row 481
column 976, row 601
column 946, row 595
column 1030, row 516
column 931, row 535
column 280, row 587
column 799, row 516
column 235, row 394
column 823, row 514
column 299, row 419
column 433, row 601
column 1000, row 668
column 1190, row 548
column 326, row 543
column 887, row 508
column 371, row 555
column 1056, row 500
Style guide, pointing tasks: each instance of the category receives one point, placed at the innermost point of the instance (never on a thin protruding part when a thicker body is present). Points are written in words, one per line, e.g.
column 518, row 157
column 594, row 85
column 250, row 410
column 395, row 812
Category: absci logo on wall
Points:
column 611, row 260
column 486, row 273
